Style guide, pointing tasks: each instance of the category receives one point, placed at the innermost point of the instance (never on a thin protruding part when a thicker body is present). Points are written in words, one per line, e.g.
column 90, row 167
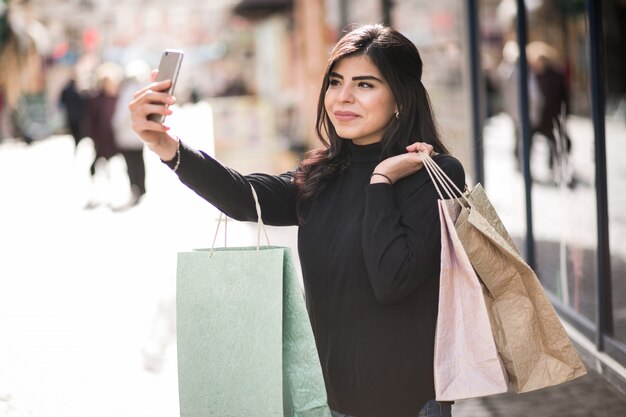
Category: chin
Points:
column 347, row 135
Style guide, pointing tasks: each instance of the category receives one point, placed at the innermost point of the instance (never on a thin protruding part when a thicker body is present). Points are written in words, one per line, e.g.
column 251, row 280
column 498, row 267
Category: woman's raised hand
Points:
column 148, row 100
column 421, row 147
column 402, row 165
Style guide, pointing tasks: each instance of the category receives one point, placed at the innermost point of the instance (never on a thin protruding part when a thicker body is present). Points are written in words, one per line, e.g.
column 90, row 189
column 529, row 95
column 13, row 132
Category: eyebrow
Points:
column 358, row 78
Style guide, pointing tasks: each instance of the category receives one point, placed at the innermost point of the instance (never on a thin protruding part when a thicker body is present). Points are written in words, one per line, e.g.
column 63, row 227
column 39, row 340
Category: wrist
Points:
column 166, row 149
column 379, row 177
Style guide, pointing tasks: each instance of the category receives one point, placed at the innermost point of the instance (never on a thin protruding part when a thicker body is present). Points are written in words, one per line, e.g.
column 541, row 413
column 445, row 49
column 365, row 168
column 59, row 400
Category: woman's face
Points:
column 358, row 100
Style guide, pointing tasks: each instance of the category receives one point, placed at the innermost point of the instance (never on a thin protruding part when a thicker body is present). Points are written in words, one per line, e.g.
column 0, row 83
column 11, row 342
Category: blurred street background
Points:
column 90, row 223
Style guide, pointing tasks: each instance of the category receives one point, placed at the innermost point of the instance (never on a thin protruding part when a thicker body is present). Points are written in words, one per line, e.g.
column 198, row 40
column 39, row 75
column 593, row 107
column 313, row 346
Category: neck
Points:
column 367, row 153
column 363, row 142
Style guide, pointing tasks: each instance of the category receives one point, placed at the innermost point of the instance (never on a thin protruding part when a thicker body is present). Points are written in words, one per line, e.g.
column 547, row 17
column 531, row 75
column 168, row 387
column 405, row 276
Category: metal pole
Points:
column 596, row 62
column 343, row 13
column 525, row 131
column 475, row 89
column 386, row 11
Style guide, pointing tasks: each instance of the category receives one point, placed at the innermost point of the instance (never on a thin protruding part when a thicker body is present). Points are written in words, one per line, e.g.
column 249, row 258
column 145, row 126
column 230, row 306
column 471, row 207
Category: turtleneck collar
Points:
column 364, row 153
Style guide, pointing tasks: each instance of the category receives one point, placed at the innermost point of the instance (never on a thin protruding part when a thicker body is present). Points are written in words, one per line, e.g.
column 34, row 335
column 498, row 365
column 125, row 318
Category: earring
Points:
column 397, row 115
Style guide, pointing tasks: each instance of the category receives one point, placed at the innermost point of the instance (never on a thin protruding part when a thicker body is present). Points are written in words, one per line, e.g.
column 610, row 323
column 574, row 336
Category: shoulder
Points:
column 452, row 167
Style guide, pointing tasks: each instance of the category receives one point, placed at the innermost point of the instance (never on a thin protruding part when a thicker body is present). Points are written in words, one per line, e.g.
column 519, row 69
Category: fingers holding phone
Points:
column 169, row 68
column 151, row 105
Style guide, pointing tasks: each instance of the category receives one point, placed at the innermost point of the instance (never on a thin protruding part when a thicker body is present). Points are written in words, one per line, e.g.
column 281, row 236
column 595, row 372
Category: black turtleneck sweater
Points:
column 370, row 257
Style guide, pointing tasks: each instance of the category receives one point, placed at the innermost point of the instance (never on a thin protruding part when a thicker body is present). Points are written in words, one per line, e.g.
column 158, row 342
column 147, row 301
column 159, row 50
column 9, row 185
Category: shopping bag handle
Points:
column 442, row 181
column 260, row 225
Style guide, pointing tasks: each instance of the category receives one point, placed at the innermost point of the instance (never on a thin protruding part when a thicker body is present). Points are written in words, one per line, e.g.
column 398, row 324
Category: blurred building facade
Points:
column 260, row 61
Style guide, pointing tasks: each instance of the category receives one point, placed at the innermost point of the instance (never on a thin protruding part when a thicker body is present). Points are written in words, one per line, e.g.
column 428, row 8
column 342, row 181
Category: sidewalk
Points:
column 590, row 395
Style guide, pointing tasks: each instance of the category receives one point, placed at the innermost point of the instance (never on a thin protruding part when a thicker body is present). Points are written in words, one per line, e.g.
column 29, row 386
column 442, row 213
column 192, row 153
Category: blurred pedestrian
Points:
column 554, row 105
column 508, row 76
column 369, row 230
column 136, row 74
column 99, row 114
column 73, row 103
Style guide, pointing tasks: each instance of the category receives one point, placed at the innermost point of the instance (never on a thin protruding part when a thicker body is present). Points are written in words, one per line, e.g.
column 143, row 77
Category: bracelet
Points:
column 382, row 175
column 177, row 164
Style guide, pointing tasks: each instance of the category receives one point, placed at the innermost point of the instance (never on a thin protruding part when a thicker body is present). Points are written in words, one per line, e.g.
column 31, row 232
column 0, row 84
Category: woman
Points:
column 369, row 238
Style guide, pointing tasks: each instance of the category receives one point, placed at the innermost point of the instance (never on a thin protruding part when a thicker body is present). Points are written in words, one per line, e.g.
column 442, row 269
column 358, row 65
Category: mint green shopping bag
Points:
column 245, row 344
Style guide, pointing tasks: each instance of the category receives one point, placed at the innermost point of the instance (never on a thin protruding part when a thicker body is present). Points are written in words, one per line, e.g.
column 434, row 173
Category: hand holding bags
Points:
column 534, row 347
column 245, row 345
column 466, row 361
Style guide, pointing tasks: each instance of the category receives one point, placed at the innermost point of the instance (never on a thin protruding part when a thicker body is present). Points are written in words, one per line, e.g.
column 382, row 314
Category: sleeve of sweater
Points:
column 230, row 191
column 402, row 239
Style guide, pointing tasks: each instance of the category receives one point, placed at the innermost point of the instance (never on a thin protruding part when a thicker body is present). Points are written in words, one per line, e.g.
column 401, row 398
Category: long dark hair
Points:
column 399, row 62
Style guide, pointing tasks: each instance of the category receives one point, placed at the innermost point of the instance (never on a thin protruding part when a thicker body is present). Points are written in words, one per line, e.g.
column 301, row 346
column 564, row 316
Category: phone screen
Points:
column 168, row 70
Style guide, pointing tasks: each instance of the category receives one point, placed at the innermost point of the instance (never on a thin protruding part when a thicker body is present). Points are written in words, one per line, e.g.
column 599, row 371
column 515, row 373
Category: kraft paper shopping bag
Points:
column 530, row 338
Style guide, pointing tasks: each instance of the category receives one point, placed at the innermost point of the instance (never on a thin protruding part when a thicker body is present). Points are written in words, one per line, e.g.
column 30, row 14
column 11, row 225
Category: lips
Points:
column 345, row 116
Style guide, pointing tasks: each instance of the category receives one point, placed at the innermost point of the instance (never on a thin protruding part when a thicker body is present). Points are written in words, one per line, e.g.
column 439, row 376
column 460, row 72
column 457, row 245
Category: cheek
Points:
column 388, row 103
column 385, row 106
column 328, row 100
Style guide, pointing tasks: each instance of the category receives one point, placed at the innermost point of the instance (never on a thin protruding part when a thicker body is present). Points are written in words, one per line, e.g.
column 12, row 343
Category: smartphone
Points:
column 168, row 70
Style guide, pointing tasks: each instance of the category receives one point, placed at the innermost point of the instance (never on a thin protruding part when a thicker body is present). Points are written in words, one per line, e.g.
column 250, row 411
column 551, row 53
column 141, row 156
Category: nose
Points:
column 345, row 94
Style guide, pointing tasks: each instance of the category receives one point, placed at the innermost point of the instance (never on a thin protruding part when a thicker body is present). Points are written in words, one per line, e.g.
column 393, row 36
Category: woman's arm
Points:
column 230, row 191
column 402, row 239
column 225, row 188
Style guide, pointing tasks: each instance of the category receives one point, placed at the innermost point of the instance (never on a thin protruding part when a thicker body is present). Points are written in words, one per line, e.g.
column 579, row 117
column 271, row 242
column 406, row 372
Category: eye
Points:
column 333, row 82
column 364, row 84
